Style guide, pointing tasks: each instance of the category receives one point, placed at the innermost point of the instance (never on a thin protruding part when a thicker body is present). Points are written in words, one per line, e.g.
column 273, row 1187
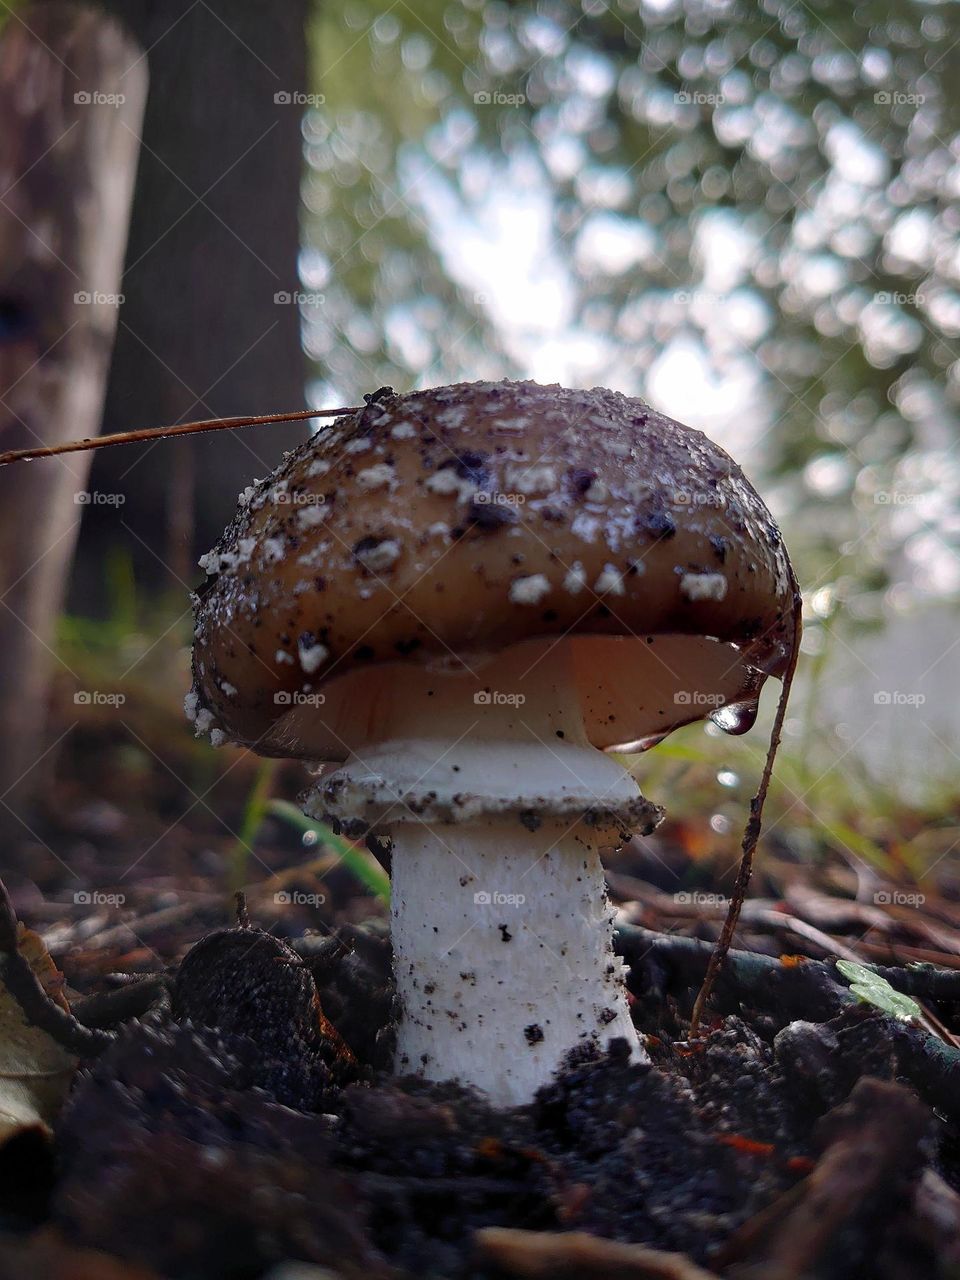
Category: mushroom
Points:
column 465, row 599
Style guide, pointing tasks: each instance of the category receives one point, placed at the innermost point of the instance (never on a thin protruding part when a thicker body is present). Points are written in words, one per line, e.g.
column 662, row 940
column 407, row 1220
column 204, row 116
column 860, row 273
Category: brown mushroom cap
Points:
column 445, row 525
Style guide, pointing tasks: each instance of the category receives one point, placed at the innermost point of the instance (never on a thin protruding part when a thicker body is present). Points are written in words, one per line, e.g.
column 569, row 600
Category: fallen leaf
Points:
column 35, row 1071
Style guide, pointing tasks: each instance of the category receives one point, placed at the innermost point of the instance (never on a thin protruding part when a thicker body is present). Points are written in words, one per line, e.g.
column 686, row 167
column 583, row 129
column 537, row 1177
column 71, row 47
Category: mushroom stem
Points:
column 503, row 953
column 495, row 803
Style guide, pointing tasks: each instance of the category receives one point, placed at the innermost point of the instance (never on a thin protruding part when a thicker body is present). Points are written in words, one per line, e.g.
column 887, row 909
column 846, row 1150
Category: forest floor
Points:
column 807, row 1132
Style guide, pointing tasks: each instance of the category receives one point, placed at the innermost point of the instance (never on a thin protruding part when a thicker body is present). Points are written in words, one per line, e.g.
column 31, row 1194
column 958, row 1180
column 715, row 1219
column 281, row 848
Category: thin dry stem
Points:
column 159, row 433
column 751, row 834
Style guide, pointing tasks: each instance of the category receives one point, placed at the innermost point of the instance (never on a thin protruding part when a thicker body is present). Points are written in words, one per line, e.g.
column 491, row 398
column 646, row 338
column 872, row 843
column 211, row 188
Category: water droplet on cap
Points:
column 737, row 717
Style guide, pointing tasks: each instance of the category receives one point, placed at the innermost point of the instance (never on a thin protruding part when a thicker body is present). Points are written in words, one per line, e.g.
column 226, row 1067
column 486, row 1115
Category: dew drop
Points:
column 309, row 839
column 727, row 778
column 737, row 717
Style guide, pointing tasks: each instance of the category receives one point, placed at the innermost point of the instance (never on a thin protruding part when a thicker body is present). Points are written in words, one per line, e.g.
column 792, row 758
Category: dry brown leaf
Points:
column 31, row 946
column 35, row 1072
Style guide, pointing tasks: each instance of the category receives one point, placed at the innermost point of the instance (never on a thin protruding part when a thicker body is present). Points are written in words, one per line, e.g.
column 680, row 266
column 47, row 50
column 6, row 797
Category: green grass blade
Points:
column 362, row 865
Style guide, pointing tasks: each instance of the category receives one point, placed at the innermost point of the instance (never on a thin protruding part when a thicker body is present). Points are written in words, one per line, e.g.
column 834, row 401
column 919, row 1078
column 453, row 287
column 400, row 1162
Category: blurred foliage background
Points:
column 745, row 211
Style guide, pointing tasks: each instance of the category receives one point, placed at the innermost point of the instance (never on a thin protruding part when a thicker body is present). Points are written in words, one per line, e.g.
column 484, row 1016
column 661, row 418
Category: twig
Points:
column 752, row 832
column 37, row 1006
column 138, row 928
column 243, row 915
column 160, row 433
column 569, row 1254
column 673, row 964
column 809, row 933
column 107, row 1009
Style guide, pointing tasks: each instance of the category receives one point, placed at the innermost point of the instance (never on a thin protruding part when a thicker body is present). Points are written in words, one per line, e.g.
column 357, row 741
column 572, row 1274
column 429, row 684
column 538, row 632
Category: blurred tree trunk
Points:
column 214, row 236
column 72, row 89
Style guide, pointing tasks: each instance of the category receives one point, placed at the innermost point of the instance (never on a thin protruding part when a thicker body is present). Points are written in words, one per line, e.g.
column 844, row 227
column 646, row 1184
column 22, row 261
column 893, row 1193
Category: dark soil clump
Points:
column 216, row 1139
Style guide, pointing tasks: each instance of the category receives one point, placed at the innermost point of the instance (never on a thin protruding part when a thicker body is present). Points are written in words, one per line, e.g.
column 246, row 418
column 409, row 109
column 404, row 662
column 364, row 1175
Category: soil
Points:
column 242, row 1122
column 246, row 1119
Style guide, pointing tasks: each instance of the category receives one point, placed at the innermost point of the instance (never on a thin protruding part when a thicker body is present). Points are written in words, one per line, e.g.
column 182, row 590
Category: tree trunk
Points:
column 214, row 237
column 72, row 89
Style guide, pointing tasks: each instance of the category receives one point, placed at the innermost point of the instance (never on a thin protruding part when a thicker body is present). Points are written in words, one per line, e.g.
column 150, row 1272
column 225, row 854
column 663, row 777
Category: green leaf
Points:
column 872, row 989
